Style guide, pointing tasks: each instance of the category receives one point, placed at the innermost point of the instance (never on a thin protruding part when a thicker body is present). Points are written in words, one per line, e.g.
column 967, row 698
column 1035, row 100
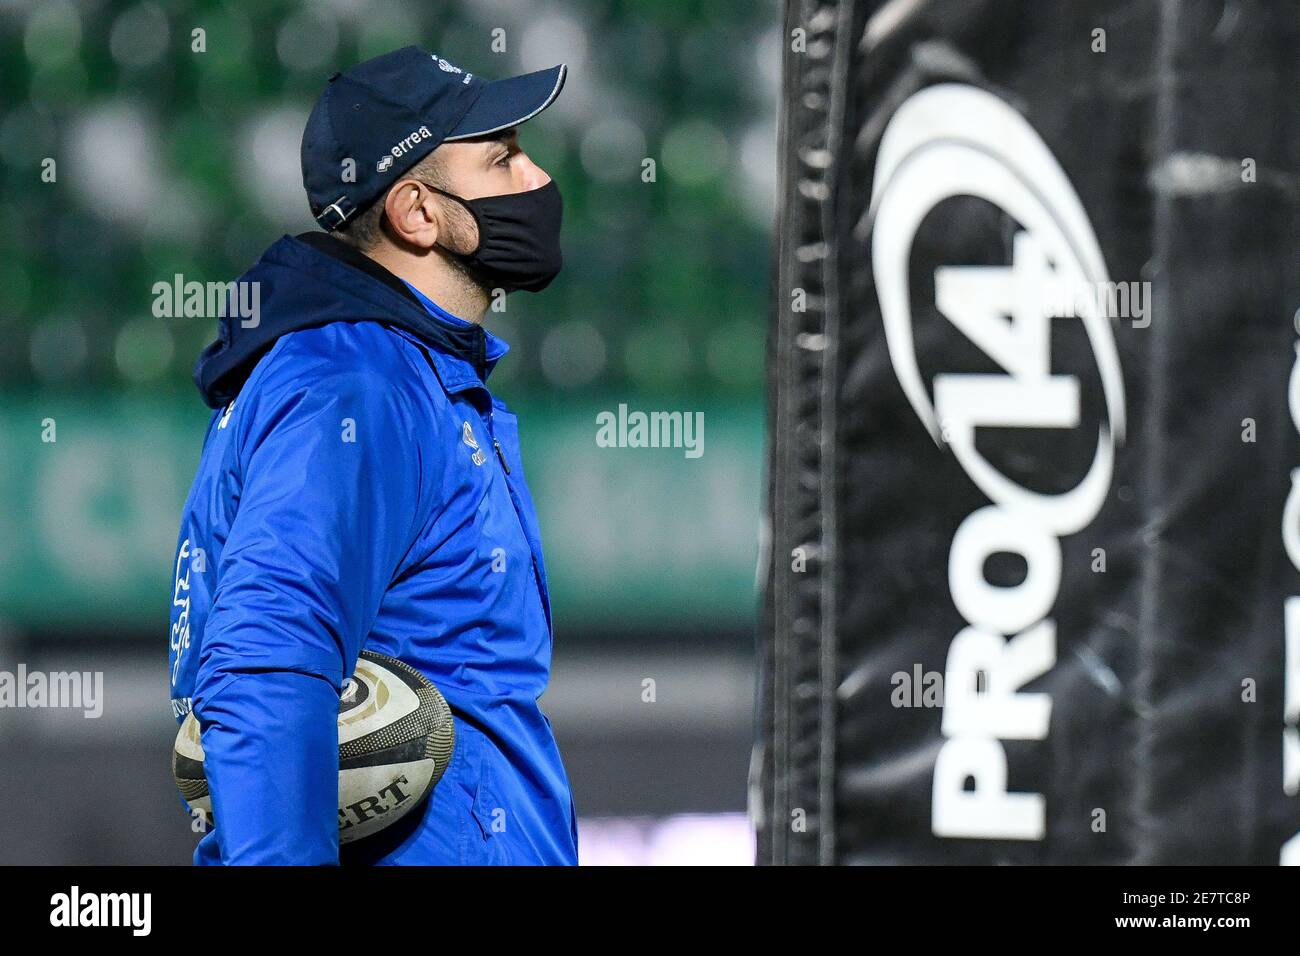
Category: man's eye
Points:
column 504, row 160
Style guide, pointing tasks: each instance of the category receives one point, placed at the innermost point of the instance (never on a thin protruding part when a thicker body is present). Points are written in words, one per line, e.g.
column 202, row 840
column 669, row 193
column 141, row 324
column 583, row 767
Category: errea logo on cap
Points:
column 401, row 148
column 450, row 68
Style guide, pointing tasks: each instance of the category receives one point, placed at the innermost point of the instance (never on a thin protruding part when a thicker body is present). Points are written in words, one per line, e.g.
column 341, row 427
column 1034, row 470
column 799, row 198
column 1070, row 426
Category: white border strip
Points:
column 559, row 82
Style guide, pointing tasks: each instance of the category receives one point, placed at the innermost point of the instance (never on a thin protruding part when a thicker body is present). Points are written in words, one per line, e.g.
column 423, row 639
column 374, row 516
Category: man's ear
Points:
column 412, row 214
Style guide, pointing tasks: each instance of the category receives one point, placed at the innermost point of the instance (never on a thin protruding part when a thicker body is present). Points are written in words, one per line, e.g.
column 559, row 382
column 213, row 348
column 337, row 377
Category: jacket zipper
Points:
column 537, row 571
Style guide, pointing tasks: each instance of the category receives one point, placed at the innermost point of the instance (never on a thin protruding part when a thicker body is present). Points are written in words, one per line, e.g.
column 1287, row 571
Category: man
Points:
column 360, row 486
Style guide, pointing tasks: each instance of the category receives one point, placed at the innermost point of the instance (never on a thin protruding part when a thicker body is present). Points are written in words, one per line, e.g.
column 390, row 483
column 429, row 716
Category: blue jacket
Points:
column 360, row 487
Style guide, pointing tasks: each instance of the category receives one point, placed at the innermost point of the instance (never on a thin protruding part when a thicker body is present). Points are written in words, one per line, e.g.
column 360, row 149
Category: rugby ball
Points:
column 396, row 737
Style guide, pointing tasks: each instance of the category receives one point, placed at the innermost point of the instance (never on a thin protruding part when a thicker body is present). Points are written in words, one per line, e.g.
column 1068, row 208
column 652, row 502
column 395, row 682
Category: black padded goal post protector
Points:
column 1033, row 593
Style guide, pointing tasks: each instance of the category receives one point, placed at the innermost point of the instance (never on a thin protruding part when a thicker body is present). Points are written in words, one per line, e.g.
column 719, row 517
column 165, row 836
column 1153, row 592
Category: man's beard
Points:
column 465, row 232
column 467, row 277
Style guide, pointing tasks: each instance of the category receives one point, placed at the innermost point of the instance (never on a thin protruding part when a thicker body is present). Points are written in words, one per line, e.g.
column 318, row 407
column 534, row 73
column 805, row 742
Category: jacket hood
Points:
column 313, row 279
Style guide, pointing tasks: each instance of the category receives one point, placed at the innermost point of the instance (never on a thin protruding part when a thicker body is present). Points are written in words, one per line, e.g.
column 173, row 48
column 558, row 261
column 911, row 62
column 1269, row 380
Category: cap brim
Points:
column 509, row 102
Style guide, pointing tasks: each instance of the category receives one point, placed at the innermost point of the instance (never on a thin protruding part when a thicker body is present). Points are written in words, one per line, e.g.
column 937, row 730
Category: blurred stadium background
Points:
column 171, row 162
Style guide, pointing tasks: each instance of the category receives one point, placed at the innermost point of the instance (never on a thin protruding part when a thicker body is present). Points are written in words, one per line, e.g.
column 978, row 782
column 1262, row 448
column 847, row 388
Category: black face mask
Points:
column 518, row 238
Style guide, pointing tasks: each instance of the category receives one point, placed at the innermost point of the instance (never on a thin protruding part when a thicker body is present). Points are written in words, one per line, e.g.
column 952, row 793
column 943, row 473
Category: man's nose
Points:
column 531, row 176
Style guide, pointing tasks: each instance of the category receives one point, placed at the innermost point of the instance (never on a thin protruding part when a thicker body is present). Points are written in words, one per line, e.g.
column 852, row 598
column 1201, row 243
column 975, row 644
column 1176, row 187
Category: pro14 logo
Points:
column 954, row 140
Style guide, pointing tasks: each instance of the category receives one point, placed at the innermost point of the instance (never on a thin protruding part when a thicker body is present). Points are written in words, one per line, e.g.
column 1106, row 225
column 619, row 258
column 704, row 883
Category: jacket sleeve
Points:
column 326, row 510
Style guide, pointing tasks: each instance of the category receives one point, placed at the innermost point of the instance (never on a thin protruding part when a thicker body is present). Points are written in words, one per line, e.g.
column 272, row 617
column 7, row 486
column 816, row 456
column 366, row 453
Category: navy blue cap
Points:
column 386, row 114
